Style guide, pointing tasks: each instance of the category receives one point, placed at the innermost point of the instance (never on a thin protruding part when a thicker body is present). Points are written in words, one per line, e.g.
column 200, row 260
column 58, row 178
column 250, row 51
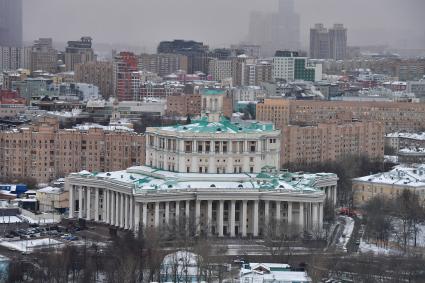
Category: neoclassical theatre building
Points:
column 219, row 175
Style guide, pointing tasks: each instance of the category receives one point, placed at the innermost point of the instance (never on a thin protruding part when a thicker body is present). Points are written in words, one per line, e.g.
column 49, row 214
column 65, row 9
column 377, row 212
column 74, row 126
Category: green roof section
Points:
column 212, row 91
column 224, row 126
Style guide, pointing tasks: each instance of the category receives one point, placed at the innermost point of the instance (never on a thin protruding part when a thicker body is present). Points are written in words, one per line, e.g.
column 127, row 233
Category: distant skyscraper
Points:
column 319, row 42
column 338, row 42
column 196, row 53
column 276, row 31
column 288, row 26
column 328, row 44
column 43, row 56
column 126, row 76
column 79, row 52
column 11, row 23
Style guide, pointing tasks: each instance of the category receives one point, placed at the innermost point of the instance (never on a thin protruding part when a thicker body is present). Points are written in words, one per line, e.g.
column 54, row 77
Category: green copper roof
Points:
column 212, row 91
column 224, row 126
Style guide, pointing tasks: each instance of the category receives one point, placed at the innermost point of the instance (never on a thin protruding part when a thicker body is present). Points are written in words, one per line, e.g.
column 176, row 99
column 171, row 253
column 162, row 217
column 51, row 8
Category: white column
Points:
column 88, row 216
column 167, row 213
column 96, row 204
column 220, row 218
column 232, row 218
column 289, row 212
column 136, row 216
column 335, row 194
column 131, row 212
column 105, row 206
column 315, row 217
column 145, row 214
column 187, row 216
column 266, row 213
column 278, row 214
column 244, row 213
column 301, row 216
column 112, row 207
column 80, row 202
column 198, row 216
column 156, row 220
column 177, row 212
column 255, row 226
column 117, row 209
column 122, row 216
column 320, row 215
column 126, row 208
column 71, row 200
column 209, row 216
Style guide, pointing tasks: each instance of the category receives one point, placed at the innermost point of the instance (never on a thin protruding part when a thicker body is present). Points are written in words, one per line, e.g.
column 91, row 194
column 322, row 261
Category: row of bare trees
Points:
column 346, row 167
column 400, row 217
column 128, row 258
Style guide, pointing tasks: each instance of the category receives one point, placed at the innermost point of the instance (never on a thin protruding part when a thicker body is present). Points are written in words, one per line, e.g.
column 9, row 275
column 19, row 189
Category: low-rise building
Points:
column 411, row 155
column 271, row 272
column 390, row 184
column 52, row 199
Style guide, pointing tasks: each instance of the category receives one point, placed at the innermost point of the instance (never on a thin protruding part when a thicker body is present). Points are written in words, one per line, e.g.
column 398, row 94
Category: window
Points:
column 217, row 147
column 251, row 169
column 224, row 147
column 188, row 146
column 200, row 147
column 207, row 147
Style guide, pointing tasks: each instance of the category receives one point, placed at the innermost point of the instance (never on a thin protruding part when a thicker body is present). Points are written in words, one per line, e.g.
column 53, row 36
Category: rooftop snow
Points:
column 224, row 126
column 400, row 175
column 144, row 179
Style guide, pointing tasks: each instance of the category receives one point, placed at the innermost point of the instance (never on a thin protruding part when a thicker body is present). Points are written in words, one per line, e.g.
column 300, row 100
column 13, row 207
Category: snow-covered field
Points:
column 9, row 219
column 369, row 247
column 346, row 234
column 398, row 226
column 30, row 245
column 39, row 221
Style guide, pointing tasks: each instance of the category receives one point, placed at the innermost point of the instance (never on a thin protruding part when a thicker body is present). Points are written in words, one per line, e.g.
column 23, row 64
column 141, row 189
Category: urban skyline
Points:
column 217, row 33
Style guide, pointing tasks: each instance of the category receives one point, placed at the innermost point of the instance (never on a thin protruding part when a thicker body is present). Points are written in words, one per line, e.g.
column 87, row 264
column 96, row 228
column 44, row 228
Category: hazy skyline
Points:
column 217, row 22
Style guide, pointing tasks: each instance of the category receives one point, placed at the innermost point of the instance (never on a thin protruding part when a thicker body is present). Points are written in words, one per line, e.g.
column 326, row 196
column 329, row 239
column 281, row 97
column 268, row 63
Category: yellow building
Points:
column 390, row 184
column 51, row 198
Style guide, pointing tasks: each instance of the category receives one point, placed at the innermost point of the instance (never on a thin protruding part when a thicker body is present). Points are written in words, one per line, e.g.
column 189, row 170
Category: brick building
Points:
column 190, row 104
column 317, row 131
column 324, row 142
column 97, row 73
column 396, row 116
column 45, row 152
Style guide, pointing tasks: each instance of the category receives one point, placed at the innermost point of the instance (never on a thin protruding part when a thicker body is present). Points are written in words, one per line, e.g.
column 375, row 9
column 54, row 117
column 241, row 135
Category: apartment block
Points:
column 395, row 116
column 328, row 142
column 98, row 74
column 162, row 64
column 190, row 104
column 45, row 152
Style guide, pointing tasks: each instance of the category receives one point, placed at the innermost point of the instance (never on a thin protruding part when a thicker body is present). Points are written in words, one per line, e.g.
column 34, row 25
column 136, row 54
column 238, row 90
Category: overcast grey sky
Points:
column 217, row 22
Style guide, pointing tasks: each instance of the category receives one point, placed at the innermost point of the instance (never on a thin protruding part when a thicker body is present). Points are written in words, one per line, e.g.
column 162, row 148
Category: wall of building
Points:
column 44, row 152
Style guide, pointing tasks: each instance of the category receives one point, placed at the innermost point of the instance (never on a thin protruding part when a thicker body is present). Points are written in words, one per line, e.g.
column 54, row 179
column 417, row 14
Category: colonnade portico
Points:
column 221, row 217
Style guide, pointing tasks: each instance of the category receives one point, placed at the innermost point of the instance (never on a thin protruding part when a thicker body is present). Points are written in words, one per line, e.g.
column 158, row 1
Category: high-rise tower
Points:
column 11, row 23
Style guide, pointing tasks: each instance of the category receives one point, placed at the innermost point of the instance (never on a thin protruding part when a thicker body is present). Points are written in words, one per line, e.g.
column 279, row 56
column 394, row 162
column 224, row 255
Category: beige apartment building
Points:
column 396, row 116
column 323, row 131
column 97, row 73
column 324, row 142
column 190, row 104
column 390, row 184
column 45, row 152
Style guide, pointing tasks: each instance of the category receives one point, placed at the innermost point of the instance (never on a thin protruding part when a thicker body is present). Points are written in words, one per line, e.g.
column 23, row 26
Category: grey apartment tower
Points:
column 11, row 23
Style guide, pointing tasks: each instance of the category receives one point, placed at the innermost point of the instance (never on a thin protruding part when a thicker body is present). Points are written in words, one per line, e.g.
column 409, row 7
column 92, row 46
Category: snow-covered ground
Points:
column 30, row 245
column 40, row 221
column 366, row 247
column 346, row 234
column 398, row 227
column 9, row 219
